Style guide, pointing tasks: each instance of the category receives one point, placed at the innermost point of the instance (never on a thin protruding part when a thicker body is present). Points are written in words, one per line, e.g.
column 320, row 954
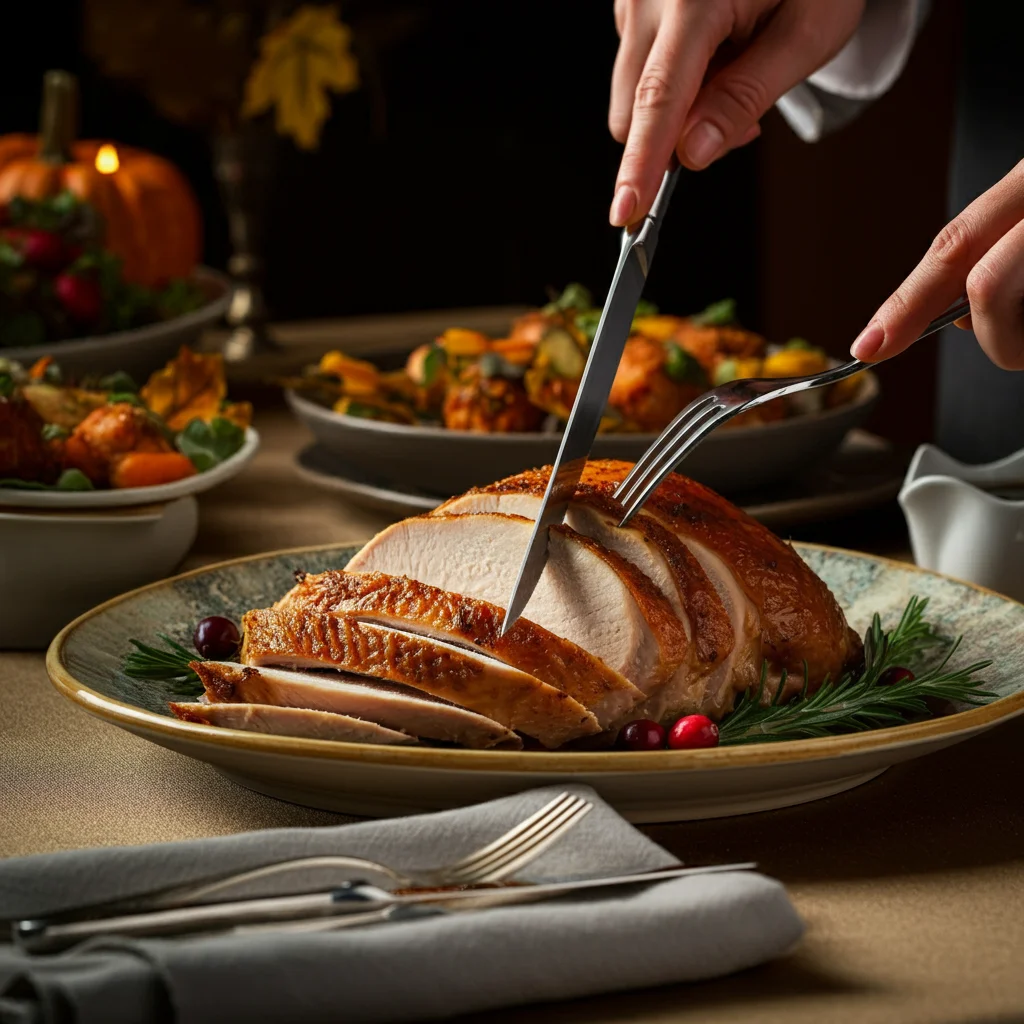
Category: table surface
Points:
column 911, row 886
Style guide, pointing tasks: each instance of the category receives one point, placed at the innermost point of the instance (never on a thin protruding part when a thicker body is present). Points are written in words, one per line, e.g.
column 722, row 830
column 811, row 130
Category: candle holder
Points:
column 243, row 166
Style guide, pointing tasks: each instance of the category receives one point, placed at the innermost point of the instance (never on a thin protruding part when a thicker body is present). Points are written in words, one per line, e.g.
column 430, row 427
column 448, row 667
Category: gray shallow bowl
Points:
column 447, row 462
column 663, row 785
column 140, row 351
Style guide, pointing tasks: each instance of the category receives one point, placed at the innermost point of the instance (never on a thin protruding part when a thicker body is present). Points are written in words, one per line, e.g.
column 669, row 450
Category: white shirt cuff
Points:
column 863, row 70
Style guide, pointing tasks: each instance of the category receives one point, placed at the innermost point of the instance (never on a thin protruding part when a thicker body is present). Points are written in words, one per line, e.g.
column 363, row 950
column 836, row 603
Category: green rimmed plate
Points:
column 83, row 662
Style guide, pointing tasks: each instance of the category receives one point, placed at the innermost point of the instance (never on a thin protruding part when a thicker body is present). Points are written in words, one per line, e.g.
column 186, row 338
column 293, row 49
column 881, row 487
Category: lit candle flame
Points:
column 107, row 160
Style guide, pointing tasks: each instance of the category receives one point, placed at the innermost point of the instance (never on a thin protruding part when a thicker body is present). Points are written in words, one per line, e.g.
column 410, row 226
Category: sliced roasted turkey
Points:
column 393, row 707
column 406, row 604
column 297, row 639
column 313, row 725
column 586, row 594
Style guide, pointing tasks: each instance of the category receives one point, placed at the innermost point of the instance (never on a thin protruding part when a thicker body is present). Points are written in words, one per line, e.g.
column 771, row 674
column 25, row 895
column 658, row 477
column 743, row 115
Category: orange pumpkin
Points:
column 150, row 217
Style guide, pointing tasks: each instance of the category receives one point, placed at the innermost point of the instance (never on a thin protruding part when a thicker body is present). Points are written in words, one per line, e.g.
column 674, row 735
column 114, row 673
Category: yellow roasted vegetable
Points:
column 358, row 376
column 795, row 362
column 660, row 328
column 459, row 342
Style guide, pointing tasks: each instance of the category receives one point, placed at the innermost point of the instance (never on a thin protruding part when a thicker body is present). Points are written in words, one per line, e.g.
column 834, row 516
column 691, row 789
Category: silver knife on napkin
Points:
column 359, row 899
column 638, row 245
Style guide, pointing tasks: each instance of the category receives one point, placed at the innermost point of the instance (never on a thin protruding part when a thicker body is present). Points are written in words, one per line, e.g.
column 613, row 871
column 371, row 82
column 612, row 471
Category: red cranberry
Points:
column 80, row 296
column 693, row 732
column 643, row 734
column 893, row 676
column 45, row 250
column 216, row 638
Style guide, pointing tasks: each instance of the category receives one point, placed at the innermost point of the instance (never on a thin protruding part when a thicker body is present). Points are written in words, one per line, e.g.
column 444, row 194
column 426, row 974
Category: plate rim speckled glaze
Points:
column 527, row 764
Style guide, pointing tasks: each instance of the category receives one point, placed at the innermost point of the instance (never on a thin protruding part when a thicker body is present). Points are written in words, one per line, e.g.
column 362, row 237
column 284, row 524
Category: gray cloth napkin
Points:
column 680, row 930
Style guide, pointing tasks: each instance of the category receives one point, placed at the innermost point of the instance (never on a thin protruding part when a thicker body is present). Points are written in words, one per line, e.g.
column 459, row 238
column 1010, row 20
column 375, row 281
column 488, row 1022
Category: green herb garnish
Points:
column 574, row 296
column 8, row 385
column 69, row 480
column 54, row 432
column 209, row 444
column 434, row 363
column 858, row 700
column 718, row 314
column 171, row 664
column 683, row 368
column 118, row 383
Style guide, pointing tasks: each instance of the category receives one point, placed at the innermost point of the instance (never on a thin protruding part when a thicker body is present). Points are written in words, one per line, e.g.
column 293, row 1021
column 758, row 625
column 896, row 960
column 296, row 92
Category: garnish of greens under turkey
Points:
column 904, row 669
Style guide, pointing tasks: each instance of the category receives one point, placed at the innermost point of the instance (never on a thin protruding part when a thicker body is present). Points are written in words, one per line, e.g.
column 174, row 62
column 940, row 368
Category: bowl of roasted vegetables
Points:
column 63, row 294
column 98, row 478
column 466, row 406
column 103, row 441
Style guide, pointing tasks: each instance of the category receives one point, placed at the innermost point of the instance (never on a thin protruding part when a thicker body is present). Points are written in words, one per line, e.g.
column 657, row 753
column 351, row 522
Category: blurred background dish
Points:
column 143, row 349
column 443, row 461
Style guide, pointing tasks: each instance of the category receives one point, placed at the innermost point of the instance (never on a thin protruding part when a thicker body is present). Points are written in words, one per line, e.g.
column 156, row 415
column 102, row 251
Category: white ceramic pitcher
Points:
column 960, row 529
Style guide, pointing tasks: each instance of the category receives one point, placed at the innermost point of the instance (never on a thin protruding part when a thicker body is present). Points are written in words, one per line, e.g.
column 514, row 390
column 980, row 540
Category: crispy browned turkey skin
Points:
column 674, row 614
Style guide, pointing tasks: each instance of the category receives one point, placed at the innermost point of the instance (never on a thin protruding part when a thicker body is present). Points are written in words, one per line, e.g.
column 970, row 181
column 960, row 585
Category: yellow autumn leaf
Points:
column 302, row 59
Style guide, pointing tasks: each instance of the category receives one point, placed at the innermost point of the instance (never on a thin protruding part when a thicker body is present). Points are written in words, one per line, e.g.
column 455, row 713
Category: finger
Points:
column 995, row 287
column 941, row 276
column 671, row 76
column 793, row 43
column 637, row 34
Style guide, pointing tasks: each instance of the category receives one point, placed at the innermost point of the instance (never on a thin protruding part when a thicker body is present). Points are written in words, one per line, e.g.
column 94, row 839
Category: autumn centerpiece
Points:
column 94, row 237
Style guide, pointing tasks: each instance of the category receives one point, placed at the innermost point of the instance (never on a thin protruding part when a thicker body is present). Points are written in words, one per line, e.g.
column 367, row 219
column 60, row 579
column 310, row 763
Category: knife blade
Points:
column 613, row 329
column 358, row 899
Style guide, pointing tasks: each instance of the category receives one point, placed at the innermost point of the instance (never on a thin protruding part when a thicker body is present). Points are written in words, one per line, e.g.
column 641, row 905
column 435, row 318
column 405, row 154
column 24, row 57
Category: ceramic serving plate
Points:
column 13, row 497
column 442, row 461
column 83, row 662
column 142, row 350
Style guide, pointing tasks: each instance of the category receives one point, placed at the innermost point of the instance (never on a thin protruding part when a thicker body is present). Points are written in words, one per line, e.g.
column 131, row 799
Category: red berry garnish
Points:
column 45, row 250
column 693, row 732
column 892, row 676
column 216, row 638
column 643, row 734
column 80, row 296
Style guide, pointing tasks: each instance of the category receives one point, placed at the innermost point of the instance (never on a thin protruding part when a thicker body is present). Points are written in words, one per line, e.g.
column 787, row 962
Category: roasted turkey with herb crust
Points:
column 678, row 613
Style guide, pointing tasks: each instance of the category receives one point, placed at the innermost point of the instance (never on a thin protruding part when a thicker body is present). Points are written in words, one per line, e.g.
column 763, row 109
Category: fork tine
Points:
column 653, row 480
column 514, row 847
column 678, row 431
column 511, row 864
column 664, row 438
column 552, row 807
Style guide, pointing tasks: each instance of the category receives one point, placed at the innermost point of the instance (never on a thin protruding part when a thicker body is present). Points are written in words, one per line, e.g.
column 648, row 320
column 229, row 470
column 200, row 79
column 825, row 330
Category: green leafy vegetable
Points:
column 683, row 368
column 860, row 700
column 434, row 364
column 69, row 480
column 718, row 314
column 119, row 383
column 799, row 343
column 586, row 323
column 8, row 385
column 54, row 432
column 128, row 397
column 170, row 664
column 574, row 296
column 73, row 480
column 209, row 444
column 645, row 308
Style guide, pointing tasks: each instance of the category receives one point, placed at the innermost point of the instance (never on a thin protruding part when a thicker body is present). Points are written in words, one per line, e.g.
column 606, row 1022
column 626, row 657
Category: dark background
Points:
column 475, row 168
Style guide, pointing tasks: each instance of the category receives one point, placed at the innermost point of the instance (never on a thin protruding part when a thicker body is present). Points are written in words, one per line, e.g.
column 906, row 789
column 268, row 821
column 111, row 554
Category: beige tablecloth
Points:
column 912, row 885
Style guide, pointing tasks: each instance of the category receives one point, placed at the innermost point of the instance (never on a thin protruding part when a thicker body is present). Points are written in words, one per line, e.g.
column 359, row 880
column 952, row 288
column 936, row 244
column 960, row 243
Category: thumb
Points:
column 734, row 100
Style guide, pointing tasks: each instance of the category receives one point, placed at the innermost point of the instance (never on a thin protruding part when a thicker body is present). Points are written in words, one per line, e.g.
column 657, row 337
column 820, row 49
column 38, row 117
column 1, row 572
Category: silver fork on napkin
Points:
column 504, row 856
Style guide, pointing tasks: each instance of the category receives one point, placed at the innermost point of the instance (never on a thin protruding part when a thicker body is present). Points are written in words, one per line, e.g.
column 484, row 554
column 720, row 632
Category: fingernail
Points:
column 703, row 143
column 623, row 206
column 868, row 342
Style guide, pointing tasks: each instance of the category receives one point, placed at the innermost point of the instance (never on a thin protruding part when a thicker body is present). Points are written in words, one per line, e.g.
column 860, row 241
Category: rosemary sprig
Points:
column 858, row 700
column 172, row 665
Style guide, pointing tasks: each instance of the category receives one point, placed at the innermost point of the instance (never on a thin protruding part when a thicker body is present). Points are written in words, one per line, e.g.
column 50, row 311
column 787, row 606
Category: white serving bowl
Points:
column 140, row 351
column 958, row 528
column 62, row 552
column 56, row 564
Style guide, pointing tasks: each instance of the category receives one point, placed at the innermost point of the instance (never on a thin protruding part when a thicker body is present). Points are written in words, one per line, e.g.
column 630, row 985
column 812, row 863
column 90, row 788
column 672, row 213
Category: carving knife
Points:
column 638, row 245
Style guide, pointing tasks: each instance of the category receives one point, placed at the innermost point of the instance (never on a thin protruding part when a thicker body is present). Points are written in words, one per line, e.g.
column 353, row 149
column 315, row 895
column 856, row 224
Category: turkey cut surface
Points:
column 393, row 707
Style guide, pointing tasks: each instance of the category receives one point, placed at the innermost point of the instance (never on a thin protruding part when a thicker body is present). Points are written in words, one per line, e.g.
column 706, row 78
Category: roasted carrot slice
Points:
column 147, row 469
